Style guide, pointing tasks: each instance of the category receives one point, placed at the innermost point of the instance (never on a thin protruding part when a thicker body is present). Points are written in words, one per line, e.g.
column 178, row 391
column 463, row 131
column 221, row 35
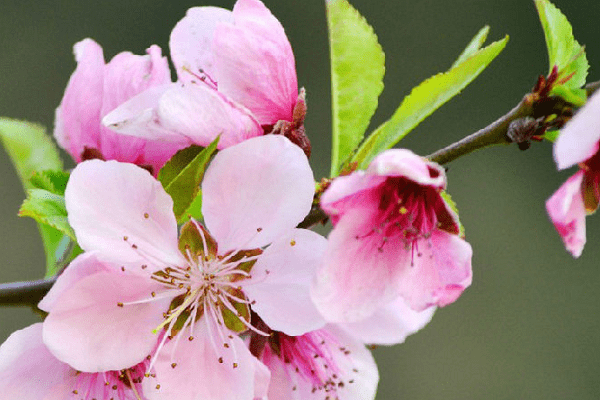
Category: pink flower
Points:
column 136, row 280
column 325, row 363
column 580, row 194
column 28, row 371
column 237, row 78
column 394, row 235
column 96, row 88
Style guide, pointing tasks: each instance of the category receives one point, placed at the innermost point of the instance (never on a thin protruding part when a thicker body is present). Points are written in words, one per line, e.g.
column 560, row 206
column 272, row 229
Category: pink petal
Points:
column 199, row 375
column 78, row 115
column 390, row 324
column 88, row 329
column 256, row 191
column 440, row 273
column 122, row 212
column 578, row 140
column 254, row 64
column 191, row 41
column 349, row 191
column 193, row 114
column 567, row 212
column 200, row 114
column 281, row 280
column 402, row 162
column 355, row 368
column 84, row 265
column 355, row 279
column 28, row 371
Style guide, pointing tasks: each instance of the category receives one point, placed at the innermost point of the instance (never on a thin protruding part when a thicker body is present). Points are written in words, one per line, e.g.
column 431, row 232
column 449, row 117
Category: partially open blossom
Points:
column 95, row 89
column 28, row 371
column 136, row 279
column 394, row 235
column 325, row 363
column 236, row 77
column 580, row 194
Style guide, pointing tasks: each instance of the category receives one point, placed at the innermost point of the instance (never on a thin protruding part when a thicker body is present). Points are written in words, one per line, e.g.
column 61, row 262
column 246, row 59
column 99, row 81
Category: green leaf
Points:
column 47, row 208
column 50, row 180
column 31, row 149
column 552, row 135
column 473, row 46
column 424, row 100
column 563, row 50
column 357, row 70
column 182, row 175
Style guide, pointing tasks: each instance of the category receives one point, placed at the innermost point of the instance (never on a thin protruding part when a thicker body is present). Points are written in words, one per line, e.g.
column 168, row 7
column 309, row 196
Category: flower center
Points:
column 313, row 358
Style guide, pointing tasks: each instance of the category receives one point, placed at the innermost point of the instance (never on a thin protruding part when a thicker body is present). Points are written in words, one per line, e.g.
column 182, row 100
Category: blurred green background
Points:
column 528, row 326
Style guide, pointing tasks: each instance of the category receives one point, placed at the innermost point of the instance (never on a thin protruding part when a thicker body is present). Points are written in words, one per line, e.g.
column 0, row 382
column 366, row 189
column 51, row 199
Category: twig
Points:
column 25, row 293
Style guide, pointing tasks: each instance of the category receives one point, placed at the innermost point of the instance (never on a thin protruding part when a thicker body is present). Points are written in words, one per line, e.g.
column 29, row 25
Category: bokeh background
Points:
column 528, row 326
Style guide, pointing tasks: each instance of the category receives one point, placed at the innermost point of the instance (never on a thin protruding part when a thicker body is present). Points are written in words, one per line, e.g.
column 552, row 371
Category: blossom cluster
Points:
column 240, row 304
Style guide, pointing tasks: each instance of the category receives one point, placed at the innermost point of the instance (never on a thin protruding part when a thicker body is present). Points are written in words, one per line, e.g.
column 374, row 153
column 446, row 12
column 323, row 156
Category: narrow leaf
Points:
column 47, row 208
column 182, row 175
column 424, row 100
column 473, row 46
column 357, row 70
column 564, row 52
column 31, row 149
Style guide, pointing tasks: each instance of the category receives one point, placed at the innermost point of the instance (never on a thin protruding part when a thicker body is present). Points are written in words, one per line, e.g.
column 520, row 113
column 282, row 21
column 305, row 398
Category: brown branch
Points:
column 25, row 293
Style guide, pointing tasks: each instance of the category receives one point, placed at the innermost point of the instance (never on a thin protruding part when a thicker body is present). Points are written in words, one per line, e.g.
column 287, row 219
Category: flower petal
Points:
column 402, row 162
column 578, row 140
column 441, row 271
column 203, row 372
column 122, row 212
column 254, row 64
column 200, row 114
column 81, row 267
column 28, row 371
column 89, row 329
column 390, row 324
column 280, row 284
column 256, row 191
column 567, row 212
column 78, row 115
column 355, row 278
column 191, row 41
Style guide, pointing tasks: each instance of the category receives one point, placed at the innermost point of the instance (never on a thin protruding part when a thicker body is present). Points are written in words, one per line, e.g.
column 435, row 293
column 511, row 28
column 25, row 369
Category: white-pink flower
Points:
column 325, row 363
column 236, row 77
column 394, row 235
column 28, row 371
column 580, row 194
column 138, row 280
column 95, row 89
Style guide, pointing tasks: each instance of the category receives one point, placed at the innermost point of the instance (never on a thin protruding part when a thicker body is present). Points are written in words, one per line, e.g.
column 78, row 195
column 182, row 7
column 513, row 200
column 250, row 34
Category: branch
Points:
column 25, row 293
column 492, row 134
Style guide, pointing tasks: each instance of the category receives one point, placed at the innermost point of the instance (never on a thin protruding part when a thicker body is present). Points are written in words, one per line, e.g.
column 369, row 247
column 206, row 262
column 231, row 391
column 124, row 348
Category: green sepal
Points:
column 425, row 99
column 448, row 199
column 182, row 174
column 564, row 52
column 357, row 70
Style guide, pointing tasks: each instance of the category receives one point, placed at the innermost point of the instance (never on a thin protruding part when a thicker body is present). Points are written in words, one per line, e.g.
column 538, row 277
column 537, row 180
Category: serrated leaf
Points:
column 182, row 175
column 31, row 149
column 424, row 100
column 357, row 70
column 563, row 50
column 473, row 46
column 50, row 180
column 47, row 208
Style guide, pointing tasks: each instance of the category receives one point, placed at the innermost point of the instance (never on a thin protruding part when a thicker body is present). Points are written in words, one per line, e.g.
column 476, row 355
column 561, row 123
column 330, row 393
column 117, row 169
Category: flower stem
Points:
column 25, row 293
column 493, row 134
